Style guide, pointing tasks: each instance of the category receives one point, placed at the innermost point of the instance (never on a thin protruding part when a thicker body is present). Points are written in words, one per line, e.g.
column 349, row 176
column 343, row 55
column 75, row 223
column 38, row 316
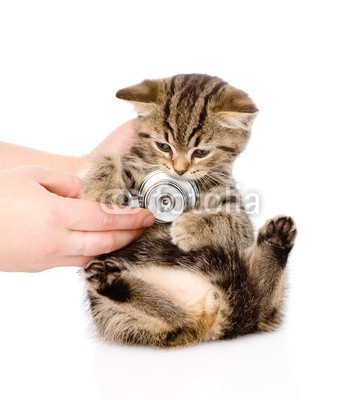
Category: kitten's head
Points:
column 191, row 126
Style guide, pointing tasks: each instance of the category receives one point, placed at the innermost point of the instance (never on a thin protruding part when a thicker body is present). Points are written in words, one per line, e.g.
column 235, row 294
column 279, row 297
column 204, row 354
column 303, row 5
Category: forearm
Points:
column 12, row 156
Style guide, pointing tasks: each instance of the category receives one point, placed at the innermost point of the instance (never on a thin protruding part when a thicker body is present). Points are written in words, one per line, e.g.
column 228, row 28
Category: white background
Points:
column 61, row 64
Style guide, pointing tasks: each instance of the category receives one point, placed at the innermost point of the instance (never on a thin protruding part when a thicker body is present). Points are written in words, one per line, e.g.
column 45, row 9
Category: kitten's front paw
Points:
column 188, row 232
column 279, row 231
column 103, row 180
column 101, row 273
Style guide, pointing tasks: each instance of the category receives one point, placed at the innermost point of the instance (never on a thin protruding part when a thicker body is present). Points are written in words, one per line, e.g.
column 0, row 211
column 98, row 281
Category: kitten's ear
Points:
column 143, row 96
column 235, row 109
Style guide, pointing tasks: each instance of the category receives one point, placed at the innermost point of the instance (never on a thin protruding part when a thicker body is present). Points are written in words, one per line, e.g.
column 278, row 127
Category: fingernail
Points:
column 148, row 221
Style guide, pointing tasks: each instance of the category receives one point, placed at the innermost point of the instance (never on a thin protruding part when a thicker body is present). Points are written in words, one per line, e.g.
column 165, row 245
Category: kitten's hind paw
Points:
column 279, row 231
column 100, row 273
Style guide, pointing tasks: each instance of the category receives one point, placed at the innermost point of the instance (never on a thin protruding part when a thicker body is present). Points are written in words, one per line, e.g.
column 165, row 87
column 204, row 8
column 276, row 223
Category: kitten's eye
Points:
column 163, row 147
column 199, row 153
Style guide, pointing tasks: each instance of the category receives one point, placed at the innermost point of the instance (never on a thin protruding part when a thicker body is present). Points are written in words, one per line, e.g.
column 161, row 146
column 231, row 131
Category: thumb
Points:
column 59, row 183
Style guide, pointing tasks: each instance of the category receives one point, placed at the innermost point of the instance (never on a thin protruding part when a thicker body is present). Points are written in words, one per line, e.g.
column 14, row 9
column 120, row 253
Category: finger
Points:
column 60, row 183
column 76, row 261
column 72, row 261
column 87, row 215
column 121, row 139
column 91, row 244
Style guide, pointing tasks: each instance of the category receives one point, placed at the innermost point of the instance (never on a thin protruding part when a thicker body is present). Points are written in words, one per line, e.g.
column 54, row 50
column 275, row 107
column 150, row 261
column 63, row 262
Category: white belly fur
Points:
column 187, row 289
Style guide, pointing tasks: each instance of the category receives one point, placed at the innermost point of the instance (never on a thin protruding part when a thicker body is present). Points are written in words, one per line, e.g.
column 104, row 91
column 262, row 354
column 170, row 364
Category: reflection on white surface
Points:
column 253, row 367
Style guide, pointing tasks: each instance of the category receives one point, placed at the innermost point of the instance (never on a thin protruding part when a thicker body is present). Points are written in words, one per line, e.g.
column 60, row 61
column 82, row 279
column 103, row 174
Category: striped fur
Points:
column 205, row 276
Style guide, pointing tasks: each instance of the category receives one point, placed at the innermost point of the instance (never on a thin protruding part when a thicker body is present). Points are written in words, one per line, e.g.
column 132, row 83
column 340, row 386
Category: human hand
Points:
column 117, row 142
column 43, row 225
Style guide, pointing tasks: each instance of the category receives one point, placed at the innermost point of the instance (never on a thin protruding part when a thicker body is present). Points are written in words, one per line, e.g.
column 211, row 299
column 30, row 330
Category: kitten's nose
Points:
column 180, row 171
column 180, row 165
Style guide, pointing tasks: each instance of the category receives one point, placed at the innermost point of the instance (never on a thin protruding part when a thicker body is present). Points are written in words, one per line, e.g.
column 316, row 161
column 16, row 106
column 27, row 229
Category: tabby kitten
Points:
column 204, row 276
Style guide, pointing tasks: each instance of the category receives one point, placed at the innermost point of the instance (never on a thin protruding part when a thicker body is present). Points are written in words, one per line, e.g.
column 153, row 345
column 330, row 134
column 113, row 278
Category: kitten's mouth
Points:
column 186, row 176
column 175, row 175
column 180, row 177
